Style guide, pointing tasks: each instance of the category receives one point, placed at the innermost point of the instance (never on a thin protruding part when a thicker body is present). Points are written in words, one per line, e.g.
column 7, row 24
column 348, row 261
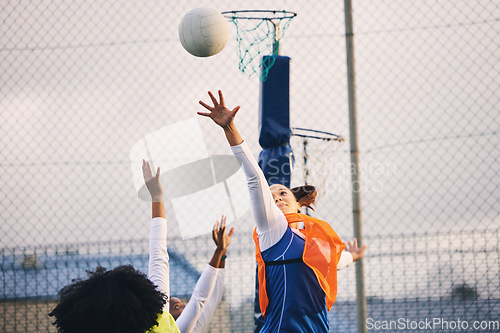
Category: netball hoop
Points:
column 314, row 153
column 258, row 34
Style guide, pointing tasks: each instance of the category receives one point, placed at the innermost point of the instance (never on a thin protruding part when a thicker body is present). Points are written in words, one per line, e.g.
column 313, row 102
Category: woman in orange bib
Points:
column 297, row 268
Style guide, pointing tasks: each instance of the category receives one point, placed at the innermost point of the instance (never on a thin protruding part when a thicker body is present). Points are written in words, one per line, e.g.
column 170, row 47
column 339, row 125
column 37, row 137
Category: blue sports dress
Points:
column 296, row 300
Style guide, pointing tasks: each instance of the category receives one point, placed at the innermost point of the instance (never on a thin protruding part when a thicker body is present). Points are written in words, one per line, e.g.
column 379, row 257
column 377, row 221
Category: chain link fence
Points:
column 81, row 82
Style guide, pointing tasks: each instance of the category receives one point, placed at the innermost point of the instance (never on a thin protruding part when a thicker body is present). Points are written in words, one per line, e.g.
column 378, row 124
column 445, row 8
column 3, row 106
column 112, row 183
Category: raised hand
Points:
column 221, row 239
column 152, row 181
column 356, row 252
column 221, row 115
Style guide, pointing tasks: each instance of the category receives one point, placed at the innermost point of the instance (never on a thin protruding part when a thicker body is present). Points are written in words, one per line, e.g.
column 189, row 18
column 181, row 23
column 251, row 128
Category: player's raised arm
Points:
column 266, row 214
column 223, row 117
column 158, row 267
column 207, row 293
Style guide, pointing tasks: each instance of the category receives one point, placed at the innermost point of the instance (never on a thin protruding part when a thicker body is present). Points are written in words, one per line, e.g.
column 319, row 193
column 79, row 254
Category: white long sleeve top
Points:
column 201, row 304
column 158, row 267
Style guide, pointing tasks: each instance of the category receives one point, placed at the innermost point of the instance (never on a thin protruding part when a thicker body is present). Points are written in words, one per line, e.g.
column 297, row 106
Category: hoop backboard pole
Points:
column 356, row 194
column 278, row 32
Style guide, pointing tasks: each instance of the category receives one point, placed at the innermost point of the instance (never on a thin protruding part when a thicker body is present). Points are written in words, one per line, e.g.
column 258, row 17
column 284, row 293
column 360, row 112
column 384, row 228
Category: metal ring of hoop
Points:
column 315, row 134
column 241, row 14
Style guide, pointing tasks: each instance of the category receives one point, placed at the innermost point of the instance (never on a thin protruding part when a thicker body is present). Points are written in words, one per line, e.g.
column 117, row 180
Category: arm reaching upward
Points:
column 158, row 267
column 207, row 293
column 271, row 223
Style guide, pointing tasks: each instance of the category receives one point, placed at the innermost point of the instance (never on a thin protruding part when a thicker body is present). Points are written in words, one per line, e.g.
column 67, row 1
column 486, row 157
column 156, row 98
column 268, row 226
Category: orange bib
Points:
column 322, row 251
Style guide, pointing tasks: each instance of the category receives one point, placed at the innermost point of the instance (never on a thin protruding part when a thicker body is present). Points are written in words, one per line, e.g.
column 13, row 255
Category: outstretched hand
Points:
column 219, row 113
column 221, row 239
column 356, row 252
column 152, row 181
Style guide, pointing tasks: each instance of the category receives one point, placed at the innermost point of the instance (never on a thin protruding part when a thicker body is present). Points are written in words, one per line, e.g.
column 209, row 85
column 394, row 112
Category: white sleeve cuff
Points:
column 158, row 228
column 239, row 148
column 345, row 260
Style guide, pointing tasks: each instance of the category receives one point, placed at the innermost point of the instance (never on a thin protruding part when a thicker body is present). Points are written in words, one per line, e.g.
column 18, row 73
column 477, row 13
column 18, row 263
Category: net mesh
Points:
column 314, row 158
column 258, row 34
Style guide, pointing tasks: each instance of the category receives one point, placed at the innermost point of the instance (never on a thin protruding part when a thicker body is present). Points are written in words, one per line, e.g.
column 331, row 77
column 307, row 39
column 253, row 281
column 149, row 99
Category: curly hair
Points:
column 120, row 300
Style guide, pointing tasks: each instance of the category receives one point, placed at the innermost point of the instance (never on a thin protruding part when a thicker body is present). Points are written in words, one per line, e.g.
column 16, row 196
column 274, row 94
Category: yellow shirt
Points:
column 166, row 324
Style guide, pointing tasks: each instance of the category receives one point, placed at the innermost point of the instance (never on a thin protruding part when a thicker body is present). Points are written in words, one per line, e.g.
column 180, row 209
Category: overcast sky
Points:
column 81, row 83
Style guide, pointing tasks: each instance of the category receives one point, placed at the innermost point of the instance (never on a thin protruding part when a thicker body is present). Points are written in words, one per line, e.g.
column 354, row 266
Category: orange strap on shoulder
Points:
column 261, row 275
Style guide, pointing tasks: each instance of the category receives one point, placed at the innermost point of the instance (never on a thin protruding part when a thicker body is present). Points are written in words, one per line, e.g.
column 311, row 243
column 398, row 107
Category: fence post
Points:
column 356, row 188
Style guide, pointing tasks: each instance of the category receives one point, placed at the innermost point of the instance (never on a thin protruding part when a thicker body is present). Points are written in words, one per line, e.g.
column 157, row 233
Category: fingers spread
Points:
column 146, row 170
column 221, row 98
column 212, row 97
column 235, row 110
column 206, row 106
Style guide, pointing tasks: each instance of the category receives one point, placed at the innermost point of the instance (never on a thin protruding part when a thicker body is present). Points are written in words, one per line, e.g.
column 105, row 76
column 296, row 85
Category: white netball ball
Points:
column 203, row 32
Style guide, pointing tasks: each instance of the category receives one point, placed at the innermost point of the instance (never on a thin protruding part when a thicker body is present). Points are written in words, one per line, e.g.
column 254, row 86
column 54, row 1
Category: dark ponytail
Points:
column 305, row 195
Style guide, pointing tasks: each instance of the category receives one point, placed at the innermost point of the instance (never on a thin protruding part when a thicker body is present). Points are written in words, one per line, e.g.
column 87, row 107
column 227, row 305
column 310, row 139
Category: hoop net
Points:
column 314, row 153
column 258, row 34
